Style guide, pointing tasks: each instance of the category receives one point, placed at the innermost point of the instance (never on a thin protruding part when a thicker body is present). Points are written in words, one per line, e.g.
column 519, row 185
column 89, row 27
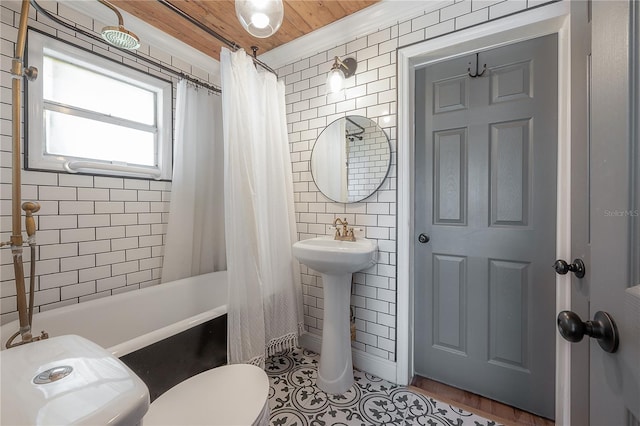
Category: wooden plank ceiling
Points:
column 300, row 17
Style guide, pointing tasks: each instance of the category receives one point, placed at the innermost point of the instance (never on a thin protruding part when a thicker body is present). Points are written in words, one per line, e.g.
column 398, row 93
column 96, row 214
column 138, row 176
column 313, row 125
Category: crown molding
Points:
column 366, row 21
column 150, row 35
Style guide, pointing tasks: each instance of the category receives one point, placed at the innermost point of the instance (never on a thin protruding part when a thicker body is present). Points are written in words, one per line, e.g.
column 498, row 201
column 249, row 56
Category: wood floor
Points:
column 485, row 407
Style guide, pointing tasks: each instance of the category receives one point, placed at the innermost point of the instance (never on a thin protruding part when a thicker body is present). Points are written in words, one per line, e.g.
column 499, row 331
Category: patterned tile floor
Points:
column 294, row 399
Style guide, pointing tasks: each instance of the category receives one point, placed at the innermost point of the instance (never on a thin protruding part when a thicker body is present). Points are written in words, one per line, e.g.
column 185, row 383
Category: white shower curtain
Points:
column 195, row 242
column 264, row 311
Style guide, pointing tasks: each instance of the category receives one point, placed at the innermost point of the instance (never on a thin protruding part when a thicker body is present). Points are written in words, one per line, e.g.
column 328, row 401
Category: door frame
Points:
column 537, row 22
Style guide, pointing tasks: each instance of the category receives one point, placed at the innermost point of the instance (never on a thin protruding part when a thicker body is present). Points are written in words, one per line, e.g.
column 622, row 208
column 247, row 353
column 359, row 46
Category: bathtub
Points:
column 165, row 333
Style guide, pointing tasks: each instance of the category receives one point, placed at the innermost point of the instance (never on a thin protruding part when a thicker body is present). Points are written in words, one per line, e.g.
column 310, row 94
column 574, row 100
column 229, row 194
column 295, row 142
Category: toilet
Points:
column 68, row 380
column 224, row 396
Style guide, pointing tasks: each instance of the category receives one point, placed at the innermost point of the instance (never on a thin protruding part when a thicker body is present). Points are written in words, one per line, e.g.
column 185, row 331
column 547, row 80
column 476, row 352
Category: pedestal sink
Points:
column 336, row 261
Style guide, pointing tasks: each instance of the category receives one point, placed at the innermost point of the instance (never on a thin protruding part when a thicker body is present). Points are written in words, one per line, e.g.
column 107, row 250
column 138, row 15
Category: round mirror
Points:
column 350, row 159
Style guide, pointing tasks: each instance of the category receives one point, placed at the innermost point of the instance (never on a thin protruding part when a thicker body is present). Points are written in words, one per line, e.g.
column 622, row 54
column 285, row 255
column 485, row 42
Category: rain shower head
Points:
column 119, row 36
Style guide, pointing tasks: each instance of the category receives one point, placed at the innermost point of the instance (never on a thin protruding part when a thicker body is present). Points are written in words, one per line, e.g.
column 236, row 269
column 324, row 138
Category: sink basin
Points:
column 329, row 256
column 336, row 261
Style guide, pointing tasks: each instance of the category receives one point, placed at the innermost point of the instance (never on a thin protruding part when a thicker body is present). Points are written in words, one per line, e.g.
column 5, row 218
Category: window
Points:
column 89, row 114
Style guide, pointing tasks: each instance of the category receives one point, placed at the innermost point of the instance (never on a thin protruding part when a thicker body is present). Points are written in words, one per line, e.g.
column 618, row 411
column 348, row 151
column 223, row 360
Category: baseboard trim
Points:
column 382, row 368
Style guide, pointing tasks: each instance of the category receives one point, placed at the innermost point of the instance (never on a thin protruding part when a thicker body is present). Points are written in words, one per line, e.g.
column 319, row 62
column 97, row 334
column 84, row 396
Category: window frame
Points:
column 35, row 157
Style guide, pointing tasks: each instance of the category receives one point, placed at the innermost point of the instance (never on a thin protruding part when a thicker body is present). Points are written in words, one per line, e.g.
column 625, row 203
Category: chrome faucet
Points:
column 346, row 234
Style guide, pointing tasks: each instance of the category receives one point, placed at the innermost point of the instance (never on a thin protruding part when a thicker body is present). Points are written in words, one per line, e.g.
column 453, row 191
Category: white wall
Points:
column 371, row 93
column 97, row 236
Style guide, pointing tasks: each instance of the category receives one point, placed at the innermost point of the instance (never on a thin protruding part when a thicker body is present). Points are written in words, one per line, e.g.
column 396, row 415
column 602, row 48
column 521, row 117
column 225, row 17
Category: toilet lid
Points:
column 230, row 395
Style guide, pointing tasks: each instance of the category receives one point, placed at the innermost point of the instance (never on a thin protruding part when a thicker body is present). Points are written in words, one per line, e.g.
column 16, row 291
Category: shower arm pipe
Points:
column 232, row 44
column 17, row 73
column 115, row 10
column 94, row 37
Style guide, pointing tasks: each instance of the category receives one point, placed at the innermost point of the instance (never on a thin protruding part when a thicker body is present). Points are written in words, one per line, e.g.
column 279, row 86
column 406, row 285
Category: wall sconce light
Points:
column 340, row 71
column 261, row 18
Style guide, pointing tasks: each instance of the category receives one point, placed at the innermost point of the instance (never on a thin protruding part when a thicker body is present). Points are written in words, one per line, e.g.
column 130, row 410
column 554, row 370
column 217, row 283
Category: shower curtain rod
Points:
column 358, row 133
column 232, row 44
column 93, row 36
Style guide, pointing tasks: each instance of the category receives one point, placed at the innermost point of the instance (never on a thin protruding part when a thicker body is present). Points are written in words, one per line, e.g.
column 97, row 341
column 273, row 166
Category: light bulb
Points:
column 335, row 81
column 259, row 20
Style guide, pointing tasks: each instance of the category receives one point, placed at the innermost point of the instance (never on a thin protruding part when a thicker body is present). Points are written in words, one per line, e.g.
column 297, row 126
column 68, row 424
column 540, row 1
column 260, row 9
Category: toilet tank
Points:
column 68, row 380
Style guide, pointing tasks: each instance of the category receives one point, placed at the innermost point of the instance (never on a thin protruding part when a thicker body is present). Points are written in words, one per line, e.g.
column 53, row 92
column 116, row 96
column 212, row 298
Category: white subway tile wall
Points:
column 97, row 236
column 100, row 236
column 368, row 155
column 370, row 93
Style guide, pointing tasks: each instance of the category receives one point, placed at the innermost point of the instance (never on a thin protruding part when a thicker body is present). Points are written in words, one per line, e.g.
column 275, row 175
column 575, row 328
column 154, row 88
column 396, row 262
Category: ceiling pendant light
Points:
column 261, row 18
column 340, row 71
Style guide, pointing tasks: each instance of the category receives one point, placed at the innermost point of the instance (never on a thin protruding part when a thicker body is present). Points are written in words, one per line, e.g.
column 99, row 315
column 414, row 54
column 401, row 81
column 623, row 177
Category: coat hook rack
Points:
column 478, row 73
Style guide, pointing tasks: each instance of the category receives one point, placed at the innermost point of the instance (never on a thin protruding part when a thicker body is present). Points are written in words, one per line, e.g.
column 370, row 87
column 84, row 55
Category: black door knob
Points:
column 577, row 267
column 602, row 328
column 423, row 238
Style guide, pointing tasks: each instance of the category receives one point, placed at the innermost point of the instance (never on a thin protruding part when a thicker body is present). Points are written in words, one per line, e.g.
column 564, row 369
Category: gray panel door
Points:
column 615, row 210
column 485, row 188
